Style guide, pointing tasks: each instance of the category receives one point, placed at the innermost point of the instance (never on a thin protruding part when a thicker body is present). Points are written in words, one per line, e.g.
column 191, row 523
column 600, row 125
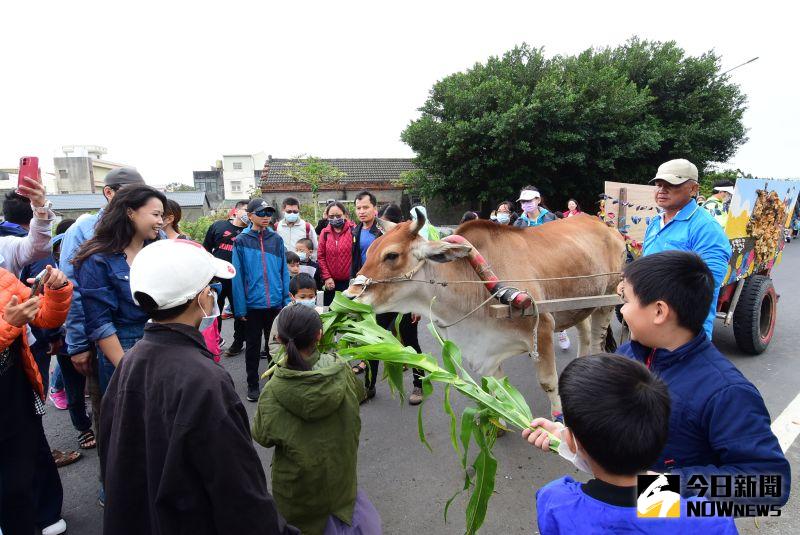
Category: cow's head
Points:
column 401, row 253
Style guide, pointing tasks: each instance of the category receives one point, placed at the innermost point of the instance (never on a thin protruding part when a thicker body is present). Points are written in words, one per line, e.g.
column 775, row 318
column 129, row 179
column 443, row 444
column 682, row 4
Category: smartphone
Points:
column 28, row 172
column 38, row 286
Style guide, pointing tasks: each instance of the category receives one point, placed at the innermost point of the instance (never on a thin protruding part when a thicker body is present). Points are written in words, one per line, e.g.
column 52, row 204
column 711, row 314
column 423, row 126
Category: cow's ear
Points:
column 441, row 251
column 385, row 225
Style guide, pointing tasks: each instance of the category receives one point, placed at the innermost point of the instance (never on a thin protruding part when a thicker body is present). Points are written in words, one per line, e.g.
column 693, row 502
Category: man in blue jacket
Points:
column 261, row 285
column 685, row 226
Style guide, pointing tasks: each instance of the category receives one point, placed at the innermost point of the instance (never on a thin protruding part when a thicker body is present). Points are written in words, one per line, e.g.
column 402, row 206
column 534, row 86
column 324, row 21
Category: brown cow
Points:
column 580, row 245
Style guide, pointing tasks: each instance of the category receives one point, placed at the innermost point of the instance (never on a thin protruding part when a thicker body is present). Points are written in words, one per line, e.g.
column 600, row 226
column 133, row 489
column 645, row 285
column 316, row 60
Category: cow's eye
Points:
column 391, row 256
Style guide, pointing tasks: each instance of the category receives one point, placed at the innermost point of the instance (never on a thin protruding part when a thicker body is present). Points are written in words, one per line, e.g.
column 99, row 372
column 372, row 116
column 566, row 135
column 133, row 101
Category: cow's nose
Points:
column 352, row 292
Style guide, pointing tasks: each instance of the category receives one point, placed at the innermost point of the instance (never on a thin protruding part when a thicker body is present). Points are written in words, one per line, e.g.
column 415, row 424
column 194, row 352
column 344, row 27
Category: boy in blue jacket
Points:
column 617, row 417
column 261, row 285
column 719, row 425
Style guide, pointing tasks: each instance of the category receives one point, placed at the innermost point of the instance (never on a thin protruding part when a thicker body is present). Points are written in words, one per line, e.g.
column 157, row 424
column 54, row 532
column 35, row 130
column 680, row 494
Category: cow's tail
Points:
column 611, row 342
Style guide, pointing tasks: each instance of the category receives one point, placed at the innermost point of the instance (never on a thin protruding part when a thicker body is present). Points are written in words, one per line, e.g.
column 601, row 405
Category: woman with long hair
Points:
column 114, row 322
column 309, row 413
column 172, row 220
column 334, row 253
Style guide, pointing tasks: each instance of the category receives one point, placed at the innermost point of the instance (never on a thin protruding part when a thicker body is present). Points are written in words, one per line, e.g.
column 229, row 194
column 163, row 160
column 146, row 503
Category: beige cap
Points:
column 676, row 172
column 529, row 195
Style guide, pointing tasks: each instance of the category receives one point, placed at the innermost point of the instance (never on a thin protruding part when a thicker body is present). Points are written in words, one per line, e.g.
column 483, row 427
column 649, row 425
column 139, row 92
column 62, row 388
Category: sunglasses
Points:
column 263, row 213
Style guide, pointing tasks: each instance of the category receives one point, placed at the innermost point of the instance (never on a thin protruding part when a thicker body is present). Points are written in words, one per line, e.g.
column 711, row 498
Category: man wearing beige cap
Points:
column 685, row 226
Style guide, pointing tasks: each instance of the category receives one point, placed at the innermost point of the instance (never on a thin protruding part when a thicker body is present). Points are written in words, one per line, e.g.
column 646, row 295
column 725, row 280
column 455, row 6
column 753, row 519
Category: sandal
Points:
column 360, row 367
column 86, row 440
column 64, row 458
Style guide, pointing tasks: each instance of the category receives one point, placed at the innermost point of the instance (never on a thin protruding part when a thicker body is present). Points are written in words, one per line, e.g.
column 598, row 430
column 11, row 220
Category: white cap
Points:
column 726, row 189
column 172, row 272
column 529, row 195
column 676, row 172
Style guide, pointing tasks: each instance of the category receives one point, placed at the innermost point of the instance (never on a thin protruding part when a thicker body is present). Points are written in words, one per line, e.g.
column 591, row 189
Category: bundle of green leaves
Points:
column 350, row 329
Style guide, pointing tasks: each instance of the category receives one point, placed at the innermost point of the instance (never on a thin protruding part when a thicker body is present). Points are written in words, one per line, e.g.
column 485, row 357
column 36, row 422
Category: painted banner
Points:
column 759, row 211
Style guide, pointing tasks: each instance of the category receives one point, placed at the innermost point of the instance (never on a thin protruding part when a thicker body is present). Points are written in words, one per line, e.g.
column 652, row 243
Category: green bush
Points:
column 197, row 229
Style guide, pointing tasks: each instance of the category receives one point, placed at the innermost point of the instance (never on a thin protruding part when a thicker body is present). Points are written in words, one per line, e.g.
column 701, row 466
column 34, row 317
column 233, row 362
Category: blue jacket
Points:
column 563, row 506
column 693, row 229
column 718, row 424
column 79, row 232
column 545, row 216
column 107, row 301
column 262, row 276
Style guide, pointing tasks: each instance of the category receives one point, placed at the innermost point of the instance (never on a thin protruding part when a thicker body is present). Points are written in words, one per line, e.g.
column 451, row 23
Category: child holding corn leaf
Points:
column 308, row 411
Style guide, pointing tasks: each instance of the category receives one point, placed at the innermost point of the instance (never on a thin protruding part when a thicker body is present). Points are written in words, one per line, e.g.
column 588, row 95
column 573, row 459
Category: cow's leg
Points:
column 601, row 319
column 546, row 366
column 584, row 336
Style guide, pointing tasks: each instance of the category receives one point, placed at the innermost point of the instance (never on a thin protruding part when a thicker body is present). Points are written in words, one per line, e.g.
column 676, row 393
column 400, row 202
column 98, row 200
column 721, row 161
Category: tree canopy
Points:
column 568, row 123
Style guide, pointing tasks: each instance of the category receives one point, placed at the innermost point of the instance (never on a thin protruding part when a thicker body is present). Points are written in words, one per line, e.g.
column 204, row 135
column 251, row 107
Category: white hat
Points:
column 676, row 172
column 726, row 189
column 172, row 272
column 529, row 195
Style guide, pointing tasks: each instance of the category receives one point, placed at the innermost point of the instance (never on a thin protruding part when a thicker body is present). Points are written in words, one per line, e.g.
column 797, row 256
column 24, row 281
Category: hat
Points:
column 676, row 172
column 123, row 176
column 724, row 186
column 172, row 272
column 529, row 195
column 258, row 204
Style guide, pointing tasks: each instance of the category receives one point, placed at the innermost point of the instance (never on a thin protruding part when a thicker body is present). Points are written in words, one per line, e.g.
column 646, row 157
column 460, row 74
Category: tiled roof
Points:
column 356, row 169
column 95, row 201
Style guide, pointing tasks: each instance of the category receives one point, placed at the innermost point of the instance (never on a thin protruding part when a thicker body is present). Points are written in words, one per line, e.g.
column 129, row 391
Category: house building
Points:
column 194, row 204
column 82, row 169
column 211, row 182
column 240, row 173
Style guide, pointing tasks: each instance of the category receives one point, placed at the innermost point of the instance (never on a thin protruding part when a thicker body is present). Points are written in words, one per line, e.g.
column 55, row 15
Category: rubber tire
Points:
column 755, row 315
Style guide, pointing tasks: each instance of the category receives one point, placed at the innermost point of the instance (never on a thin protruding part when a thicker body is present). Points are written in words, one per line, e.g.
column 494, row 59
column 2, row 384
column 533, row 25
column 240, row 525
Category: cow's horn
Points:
column 385, row 225
column 418, row 223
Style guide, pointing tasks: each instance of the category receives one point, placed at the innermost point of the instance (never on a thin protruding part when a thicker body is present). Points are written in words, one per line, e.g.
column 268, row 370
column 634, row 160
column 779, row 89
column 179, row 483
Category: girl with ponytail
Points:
column 308, row 412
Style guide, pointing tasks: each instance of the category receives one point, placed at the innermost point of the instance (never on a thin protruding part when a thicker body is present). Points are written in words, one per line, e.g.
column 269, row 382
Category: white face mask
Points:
column 310, row 303
column 576, row 458
column 503, row 217
column 302, row 255
column 244, row 219
column 209, row 319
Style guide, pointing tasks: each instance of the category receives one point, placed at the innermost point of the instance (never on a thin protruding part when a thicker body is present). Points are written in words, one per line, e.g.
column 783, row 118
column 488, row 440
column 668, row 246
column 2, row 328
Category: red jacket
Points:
column 52, row 314
column 334, row 254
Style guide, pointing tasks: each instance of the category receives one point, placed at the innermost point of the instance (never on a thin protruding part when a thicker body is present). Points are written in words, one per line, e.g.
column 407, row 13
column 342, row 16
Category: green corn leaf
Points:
column 448, row 409
column 467, row 428
column 421, row 430
column 485, row 466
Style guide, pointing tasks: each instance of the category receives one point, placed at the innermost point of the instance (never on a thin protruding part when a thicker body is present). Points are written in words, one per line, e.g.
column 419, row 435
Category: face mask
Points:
column 244, row 219
column 209, row 319
column 575, row 458
column 503, row 218
column 310, row 303
column 530, row 206
column 303, row 256
column 337, row 222
column 292, row 218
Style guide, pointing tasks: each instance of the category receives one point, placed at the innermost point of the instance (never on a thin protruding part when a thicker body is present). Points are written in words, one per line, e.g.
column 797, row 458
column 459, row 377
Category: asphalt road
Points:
column 410, row 485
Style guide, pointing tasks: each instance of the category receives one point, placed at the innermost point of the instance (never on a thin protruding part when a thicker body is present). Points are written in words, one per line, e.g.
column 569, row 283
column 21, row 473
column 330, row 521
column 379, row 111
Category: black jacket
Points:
column 219, row 239
column 175, row 447
column 355, row 264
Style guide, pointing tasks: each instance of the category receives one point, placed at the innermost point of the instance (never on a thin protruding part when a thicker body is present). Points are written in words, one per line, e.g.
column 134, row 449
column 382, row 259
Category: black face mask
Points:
column 337, row 222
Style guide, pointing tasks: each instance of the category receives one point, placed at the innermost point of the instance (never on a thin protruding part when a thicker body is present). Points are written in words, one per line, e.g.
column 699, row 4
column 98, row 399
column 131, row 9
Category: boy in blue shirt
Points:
column 719, row 425
column 617, row 416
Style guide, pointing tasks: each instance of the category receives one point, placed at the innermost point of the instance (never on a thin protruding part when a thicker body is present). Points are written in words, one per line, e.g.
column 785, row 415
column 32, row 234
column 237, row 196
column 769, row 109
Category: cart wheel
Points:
column 754, row 317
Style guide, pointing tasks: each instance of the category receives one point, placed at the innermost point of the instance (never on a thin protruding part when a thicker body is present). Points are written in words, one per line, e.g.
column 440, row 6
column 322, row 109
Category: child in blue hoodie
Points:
column 617, row 418
column 719, row 425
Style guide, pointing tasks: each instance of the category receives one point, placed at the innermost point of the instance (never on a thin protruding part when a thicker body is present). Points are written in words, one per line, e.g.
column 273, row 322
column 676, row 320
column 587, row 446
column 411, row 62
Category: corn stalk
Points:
column 351, row 330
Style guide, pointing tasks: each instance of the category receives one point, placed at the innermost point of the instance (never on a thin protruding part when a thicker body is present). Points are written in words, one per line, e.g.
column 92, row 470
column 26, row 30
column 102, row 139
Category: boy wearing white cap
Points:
column 175, row 447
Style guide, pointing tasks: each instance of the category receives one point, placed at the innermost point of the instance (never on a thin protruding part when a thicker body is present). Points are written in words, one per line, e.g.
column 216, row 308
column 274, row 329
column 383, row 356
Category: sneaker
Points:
column 59, row 399
column 233, row 351
column 416, row 396
column 563, row 340
column 370, row 394
column 56, row 529
column 252, row 393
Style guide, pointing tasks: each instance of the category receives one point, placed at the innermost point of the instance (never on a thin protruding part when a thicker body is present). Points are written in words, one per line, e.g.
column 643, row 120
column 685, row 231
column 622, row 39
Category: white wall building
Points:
column 240, row 172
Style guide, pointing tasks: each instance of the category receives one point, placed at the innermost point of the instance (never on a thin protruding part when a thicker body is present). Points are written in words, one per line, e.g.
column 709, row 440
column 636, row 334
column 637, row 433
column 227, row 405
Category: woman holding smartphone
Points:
column 114, row 322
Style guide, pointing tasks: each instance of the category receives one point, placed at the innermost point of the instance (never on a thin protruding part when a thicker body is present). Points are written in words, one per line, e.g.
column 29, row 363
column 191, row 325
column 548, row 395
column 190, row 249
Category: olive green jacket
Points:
column 311, row 418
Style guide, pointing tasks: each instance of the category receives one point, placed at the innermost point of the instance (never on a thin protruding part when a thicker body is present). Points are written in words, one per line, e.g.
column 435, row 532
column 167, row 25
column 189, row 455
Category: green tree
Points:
column 708, row 178
column 568, row 123
column 179, row 186
column 315, row 173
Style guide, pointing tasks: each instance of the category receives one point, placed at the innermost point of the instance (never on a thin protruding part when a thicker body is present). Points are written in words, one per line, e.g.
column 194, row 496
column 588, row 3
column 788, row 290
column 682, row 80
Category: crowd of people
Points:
column 130, row 307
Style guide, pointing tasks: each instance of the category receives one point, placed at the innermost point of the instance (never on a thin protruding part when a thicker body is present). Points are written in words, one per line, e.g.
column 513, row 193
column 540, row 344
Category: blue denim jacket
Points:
column 105, row 285
column 79, row 232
